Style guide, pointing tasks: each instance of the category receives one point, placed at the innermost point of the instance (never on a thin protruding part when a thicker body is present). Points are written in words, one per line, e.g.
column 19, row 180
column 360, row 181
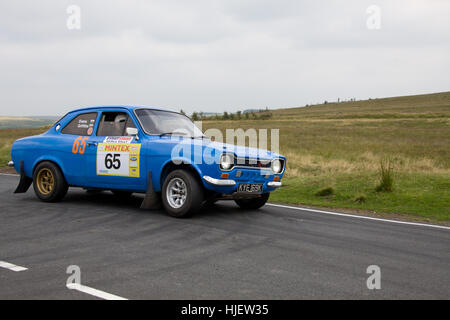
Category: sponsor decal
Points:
column 82, row 124
column 116, row 159
column 118, row 140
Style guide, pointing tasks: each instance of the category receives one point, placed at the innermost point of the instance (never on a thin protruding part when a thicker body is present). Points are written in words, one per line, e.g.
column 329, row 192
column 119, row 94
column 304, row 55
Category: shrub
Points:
column 386, row 176
column 328, row 191
column 265, row 116
column 360, row 198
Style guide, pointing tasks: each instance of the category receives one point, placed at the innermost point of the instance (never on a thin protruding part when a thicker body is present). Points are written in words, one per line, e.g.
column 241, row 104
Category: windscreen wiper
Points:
column 172, row 133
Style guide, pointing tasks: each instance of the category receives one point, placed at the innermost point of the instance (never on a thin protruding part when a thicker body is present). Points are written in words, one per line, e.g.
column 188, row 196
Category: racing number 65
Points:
column 79, row 145
column 114, row 162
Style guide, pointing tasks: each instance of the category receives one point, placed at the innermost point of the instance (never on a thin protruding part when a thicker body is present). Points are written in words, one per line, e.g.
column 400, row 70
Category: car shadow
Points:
column 107, row 199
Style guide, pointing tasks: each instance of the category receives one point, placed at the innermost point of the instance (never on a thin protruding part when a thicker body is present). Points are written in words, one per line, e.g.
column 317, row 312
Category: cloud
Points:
column 213, row 55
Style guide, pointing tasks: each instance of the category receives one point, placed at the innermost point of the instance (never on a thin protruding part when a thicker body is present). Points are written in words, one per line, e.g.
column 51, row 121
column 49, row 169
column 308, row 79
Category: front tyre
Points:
column 49, row 183
column 182, row 194
column 255, row 203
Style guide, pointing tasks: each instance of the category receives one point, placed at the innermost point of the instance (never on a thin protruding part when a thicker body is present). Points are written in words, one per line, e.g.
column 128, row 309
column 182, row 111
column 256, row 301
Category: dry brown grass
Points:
column 307, row 164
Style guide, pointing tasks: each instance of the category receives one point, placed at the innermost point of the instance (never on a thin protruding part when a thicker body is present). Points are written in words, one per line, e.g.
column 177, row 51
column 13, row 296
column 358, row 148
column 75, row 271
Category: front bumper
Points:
column 274, row 184
column 219, row 182
column 231, row 183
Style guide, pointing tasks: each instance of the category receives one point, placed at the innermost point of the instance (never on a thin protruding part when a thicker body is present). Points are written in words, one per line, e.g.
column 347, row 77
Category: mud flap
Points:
column 25, row 182
column 152, row 200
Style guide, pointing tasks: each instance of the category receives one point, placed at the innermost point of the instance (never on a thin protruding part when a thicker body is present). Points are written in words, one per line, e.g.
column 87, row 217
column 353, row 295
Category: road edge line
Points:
column 359, row 217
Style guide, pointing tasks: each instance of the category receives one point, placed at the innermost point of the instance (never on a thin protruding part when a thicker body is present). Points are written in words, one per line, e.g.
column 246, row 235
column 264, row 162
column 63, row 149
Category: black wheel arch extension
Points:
column 53, row 162
column 24, row 182
column 171, row 166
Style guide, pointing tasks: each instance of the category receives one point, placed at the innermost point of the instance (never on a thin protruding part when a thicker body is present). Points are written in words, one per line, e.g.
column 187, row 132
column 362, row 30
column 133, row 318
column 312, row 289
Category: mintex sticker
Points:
column 118, row 159
column 118, row 140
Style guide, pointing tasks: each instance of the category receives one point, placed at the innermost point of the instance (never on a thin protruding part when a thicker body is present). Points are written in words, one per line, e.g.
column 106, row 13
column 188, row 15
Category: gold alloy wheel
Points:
column 45, row 181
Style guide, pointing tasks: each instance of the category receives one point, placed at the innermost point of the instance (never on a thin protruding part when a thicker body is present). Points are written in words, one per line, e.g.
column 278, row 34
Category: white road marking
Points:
column 9, row 174
column 360, row 217
column 93, row 292
column 12, row 267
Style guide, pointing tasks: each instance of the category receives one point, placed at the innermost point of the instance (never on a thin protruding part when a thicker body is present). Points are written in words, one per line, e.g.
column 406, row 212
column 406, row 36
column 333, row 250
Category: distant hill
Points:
column 435, row 105
column 26, row 122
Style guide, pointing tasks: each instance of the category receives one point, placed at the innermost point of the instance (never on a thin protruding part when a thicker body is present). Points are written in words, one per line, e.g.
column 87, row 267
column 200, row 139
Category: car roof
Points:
column 131, row 108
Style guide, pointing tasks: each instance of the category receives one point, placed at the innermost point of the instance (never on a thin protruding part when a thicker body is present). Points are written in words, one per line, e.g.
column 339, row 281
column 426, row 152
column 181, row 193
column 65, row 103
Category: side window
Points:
column 114, row 124
column 81, row 125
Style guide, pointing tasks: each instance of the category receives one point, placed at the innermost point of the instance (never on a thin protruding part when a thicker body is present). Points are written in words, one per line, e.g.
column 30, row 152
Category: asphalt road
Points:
column 221, row 253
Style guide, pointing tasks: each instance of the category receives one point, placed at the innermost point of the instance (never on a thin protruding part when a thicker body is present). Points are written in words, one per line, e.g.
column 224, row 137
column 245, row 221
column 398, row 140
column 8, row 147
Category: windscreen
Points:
column 167, row 123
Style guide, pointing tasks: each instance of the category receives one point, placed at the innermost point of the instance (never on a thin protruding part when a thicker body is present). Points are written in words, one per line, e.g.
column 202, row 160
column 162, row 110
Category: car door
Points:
column 113, row 156
column 72, row 145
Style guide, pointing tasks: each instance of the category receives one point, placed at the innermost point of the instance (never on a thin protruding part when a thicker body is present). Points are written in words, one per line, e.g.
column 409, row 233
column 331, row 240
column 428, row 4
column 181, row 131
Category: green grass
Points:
column 422, row 196
column 324, row 192
column 8, row 136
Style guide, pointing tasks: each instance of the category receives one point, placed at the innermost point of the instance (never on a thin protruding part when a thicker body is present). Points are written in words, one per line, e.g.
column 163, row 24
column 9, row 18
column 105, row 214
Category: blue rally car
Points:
column 144, row 150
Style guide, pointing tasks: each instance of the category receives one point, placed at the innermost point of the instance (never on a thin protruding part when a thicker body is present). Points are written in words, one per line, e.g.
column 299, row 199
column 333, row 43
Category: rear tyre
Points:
column 49, row 183
column 182, row 194
column 255, row 203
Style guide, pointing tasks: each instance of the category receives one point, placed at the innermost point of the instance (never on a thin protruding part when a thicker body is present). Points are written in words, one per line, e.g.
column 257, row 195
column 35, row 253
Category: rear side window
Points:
column 81, row 125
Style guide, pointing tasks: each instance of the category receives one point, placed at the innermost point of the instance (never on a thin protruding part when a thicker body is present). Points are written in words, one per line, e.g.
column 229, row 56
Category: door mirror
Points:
column 132, row 131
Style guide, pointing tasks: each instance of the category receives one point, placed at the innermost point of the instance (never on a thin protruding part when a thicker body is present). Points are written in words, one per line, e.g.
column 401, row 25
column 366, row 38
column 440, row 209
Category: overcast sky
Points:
column 217, row 55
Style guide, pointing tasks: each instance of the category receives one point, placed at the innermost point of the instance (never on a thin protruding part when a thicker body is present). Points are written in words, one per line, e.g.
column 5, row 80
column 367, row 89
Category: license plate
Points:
column 250, row 188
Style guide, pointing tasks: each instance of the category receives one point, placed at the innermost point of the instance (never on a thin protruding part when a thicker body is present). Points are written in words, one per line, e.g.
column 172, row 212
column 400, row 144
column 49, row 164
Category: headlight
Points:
column 226, row 161
column 277, row 166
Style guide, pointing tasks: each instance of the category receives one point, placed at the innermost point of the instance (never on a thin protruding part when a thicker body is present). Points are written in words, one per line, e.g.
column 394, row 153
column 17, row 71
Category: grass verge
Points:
column 424, row 197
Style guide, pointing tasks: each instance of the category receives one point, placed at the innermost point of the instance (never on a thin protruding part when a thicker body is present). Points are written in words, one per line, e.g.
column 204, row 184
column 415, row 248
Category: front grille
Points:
column 252, row 163
column 251, row 176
